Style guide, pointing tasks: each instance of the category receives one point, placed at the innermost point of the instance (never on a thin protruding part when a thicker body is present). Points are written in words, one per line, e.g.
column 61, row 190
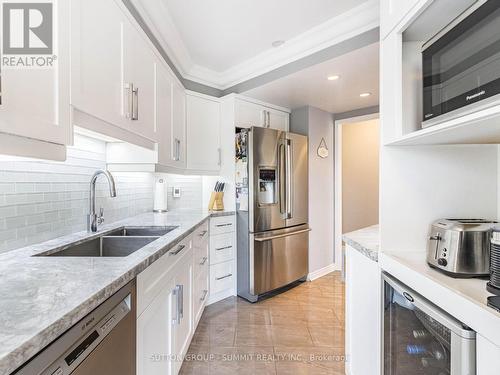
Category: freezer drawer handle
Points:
column 223, row 248
column 282, row 235
column 224, row 225
column 223, row 277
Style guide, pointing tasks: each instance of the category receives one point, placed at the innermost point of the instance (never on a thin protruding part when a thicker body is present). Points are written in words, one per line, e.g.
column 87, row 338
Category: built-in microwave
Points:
column 461, row 65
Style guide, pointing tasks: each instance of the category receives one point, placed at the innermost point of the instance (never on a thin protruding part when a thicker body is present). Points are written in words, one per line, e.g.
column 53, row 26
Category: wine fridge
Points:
column 421, row 339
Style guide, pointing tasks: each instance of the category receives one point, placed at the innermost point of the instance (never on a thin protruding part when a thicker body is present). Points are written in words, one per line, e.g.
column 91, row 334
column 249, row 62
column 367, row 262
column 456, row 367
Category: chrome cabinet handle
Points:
column 224, row 277
column 129, row 87
column 202, row 234
column 268, row 119
column 203, row 261
column 177, row 153
column 179, row 249
column 223, row 248
column 176, row 292
column 264, row 119
column 205, row 293
column 220, row 156
column 181, row 305
column 135, row 104
column 224, row 225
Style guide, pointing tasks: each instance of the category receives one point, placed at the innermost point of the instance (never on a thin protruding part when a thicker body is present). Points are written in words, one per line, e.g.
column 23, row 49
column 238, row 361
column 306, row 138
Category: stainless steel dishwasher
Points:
column 102, row 343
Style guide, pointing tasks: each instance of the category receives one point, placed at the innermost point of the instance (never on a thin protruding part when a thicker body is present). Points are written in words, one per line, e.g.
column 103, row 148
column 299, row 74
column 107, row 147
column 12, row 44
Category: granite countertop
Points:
column 42, row 297
column 366, row 241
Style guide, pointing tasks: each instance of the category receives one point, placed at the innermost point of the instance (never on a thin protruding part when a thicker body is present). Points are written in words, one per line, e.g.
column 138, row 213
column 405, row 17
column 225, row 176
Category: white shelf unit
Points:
column 402, row 85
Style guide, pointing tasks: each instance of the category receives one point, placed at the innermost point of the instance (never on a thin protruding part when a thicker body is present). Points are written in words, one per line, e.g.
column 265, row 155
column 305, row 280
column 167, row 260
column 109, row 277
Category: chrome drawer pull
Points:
column 205, row 292
column 224, row 225
column 179, row 249
column 204, row 260
column 224, row 277
column 202, row 234
column 223, row 248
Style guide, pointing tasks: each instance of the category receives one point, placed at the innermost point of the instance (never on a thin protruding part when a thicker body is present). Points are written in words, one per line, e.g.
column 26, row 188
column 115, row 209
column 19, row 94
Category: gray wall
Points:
column 318, row 124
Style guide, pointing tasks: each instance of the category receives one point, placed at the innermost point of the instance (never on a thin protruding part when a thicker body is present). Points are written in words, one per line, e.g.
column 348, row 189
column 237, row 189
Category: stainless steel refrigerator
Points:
column 272, row 210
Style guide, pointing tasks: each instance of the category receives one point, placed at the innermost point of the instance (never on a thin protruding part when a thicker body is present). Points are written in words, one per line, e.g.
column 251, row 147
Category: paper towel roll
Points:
column 160, row 202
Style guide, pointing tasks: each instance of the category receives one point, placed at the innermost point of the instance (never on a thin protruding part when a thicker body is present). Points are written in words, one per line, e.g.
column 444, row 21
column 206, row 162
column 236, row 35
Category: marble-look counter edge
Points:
column 366, row 241
column 15, row 350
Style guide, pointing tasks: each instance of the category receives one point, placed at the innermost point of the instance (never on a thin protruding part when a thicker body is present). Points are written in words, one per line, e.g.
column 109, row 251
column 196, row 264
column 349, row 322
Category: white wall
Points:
column 41, row 200
column 360, row 174
column 318, row 124
column 423, row 183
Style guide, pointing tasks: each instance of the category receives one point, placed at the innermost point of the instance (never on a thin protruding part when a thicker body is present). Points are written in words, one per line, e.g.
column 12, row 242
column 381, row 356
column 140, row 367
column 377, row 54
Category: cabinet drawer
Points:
column 222, row 224
column 153, row 279
column 200, row 297
column 221, row 248
column 221, row 277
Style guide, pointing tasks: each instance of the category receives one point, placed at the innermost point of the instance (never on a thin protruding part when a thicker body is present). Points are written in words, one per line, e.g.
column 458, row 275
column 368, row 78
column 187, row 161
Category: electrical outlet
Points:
column 176, row 192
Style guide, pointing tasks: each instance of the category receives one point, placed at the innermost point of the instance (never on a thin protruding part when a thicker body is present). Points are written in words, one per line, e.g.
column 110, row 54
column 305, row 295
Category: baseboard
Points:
column 220, row 296
column 322, row 272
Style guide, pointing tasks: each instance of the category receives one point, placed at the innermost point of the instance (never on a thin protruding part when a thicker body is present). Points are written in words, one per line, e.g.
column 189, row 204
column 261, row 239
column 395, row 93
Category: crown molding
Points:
column 347, row 25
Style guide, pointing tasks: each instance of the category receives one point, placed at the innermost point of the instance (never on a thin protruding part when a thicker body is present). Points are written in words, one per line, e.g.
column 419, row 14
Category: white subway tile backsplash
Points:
column 41, row 200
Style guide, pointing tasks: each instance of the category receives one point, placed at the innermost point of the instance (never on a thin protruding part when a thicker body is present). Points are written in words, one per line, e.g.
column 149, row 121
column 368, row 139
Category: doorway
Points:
column 357, row 144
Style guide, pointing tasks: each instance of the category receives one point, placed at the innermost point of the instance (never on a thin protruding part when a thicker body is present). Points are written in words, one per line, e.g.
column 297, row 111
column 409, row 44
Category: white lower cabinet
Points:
column 222, row 257
column 363, row 330
column 154, row 334
column 172, row 295
column 488, row 357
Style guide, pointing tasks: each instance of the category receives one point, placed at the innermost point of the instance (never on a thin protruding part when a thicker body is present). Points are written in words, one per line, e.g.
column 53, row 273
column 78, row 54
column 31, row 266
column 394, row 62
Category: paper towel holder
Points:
column 160, row 198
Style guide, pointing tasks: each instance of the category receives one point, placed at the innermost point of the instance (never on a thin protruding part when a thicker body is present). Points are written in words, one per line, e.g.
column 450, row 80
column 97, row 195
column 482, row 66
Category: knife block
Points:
column 216, row 202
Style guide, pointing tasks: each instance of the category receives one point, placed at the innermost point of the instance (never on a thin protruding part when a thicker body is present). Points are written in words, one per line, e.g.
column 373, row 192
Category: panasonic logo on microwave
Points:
column 470, row 97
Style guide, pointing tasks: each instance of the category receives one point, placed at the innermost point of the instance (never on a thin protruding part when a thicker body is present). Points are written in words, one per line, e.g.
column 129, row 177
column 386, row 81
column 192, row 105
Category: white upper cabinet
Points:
column 113, row 67
column 35, row 101
column 97, row 39
column 178, row 126
column 139, row 82
column 164, row 114
column 248, row 114
column 203, row 117
column 392, row 12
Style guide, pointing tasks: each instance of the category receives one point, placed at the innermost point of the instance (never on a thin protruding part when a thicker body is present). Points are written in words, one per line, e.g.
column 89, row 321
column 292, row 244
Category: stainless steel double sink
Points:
column 117, row 243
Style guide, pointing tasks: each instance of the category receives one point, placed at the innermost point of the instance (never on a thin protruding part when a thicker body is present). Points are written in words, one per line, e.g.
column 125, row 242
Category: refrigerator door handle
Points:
column 269, row 238
column 289, row 179
column 282, row 182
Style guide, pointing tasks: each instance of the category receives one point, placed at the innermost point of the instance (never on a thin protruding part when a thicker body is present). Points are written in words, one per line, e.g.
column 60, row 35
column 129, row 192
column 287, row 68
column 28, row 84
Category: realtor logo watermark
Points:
column 27, row 35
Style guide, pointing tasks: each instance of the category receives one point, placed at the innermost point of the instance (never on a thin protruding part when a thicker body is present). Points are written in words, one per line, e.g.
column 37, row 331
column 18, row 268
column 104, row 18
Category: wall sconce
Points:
column 323, row 149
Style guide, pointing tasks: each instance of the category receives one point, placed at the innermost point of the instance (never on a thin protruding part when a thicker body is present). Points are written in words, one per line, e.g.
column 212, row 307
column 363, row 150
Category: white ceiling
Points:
column 221, row 43
column 359, row 73
column 219, row 34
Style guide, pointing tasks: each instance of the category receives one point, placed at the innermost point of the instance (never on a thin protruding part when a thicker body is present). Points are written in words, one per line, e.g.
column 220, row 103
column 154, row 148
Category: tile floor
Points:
column 300, row 331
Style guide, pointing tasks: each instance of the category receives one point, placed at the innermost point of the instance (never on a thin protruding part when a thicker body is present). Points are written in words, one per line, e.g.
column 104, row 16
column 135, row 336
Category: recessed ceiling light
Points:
column 278, row 43
column 333, row 78
column 365, row 94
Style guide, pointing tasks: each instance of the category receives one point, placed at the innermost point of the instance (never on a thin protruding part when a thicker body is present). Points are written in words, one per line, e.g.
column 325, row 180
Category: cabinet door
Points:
column 139, row 65
column 203, row 133
column 154, row 335
column 392, row 12
column 96, row 87
column 184, row 326
column 278, row 119
column 35, row 102
column 164, row 86
column 249, row 114
column 178, row 126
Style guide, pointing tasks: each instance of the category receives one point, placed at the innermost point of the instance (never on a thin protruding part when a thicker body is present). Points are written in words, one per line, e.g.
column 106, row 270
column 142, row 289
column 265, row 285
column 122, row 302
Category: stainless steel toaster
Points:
column 460, row 247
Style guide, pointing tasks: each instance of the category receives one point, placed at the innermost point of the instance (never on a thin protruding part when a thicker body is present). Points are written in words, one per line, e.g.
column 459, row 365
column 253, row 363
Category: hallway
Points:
column 300, row 331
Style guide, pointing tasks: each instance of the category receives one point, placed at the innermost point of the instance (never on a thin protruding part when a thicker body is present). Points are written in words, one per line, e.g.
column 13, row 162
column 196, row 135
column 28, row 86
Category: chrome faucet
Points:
column 93, row 219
